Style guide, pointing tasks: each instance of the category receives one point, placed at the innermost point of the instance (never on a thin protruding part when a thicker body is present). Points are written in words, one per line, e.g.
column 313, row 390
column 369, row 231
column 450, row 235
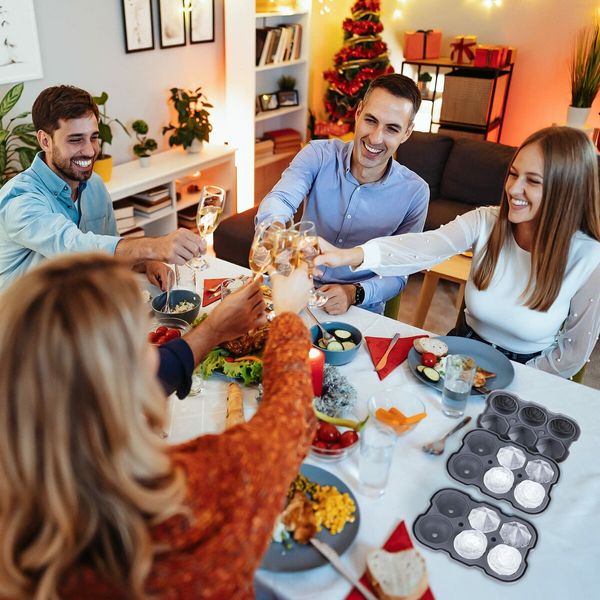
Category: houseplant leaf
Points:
column 10, row 99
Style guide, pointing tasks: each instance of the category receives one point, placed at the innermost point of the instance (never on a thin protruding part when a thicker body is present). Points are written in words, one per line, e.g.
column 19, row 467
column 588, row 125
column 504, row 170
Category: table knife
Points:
column 334, row 558
column 383, row 360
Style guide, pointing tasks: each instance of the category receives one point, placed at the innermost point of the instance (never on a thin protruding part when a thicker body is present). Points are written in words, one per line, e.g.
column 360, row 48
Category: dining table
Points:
column 563, row 564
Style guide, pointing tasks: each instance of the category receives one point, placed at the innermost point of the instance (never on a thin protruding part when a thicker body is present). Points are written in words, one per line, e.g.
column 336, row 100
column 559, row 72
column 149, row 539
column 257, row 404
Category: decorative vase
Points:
column 103, row 166
column 144, row 161
column 195, row 147
column 577, row 117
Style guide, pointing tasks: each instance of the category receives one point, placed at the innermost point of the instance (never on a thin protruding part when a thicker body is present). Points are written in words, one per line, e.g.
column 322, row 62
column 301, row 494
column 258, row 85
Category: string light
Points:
column 492, row 3
column 325, row 9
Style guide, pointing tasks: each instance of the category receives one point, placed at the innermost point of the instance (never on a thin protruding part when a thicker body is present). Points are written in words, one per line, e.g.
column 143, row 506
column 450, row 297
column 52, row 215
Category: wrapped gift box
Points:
column 490, row 56
column 423, row 43
column 510, row 55
column 463, row 49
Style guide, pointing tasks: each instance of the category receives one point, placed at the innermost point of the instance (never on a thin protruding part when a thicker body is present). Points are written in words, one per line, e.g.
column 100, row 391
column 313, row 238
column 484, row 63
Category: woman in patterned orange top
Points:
column 94, row 504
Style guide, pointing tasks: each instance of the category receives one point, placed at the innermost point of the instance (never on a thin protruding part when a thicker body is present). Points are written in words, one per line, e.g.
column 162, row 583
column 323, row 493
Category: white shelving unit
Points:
column 245, row 81
column 214, row 165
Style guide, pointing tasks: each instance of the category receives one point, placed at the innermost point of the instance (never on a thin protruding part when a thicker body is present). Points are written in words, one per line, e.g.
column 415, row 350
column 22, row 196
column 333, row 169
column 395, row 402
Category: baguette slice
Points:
column 397, row 575
column 418, row 346
column 435, row 346
column 235, row 407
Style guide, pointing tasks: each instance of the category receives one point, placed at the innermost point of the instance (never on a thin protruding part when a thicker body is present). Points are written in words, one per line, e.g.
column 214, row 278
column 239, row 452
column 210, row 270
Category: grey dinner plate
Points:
column 302, row 557
column 484, row 355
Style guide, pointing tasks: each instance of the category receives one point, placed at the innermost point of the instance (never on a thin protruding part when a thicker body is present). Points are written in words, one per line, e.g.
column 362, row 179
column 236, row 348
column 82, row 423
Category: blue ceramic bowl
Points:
column 341, row 357
column 175, row 298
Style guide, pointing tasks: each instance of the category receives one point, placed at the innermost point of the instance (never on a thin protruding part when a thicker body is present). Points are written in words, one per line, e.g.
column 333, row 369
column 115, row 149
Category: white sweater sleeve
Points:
column 579, row 334
column 411, row 252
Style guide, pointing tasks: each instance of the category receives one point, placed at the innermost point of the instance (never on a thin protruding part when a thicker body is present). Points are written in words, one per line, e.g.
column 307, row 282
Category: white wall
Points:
column 82, row 43
column 541, row 30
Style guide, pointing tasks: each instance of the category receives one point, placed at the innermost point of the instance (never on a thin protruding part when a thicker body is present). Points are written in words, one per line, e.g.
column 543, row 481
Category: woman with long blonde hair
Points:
column 93, row 503
column 534, row 289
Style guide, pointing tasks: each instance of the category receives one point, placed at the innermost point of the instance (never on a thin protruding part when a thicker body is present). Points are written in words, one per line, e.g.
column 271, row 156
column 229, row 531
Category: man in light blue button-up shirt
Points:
column 356, row 191
column 59, row 205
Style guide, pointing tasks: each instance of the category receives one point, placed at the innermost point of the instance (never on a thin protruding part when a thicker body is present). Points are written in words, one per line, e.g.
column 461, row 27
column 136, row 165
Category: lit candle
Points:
column 316, row 358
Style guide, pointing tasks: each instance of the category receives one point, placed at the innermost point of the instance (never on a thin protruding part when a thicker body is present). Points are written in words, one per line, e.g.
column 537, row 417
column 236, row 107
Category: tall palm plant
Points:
column 585, row 67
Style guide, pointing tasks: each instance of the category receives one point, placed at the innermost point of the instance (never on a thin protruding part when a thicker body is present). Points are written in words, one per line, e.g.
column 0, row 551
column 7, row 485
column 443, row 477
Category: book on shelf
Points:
column 125, row 223
column 278, row 44
column 187, row 216
column 154, row 195
column 287, row 148
column 145, row 209
column 282, row 135
column 261, row 38
column 263, row 148
column 136, row 232
column 122, row 208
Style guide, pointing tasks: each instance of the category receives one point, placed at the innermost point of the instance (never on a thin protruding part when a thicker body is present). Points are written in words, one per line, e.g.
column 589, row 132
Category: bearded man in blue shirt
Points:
column 356, row 191
column 59, row 205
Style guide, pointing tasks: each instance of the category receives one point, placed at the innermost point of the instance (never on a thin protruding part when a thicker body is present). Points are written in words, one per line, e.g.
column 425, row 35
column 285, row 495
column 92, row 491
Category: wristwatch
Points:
column 359, row 294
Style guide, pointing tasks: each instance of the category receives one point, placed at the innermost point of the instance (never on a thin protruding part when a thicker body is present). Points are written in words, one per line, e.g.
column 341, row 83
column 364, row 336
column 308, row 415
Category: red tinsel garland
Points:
column 362, row 27
column 368, row 5
column 373, row 50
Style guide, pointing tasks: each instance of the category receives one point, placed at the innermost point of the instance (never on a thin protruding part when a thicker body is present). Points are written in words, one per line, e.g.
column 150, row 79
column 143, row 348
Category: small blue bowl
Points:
column 341, row 357
column 175, row 297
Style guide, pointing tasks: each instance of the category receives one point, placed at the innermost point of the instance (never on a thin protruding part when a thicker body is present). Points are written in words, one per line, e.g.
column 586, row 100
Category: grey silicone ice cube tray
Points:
column 529, row 424
column 450, row 514
column 483, row 454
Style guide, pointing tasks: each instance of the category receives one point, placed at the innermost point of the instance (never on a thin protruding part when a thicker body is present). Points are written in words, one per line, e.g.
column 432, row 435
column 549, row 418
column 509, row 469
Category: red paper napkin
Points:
column 210, row 284
column 399, row 540
column 378, row 345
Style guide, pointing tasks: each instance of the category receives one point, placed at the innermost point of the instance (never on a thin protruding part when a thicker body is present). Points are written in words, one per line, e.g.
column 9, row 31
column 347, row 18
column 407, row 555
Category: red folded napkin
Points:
column 210, row 284
column 378, row 345
column 399, row 540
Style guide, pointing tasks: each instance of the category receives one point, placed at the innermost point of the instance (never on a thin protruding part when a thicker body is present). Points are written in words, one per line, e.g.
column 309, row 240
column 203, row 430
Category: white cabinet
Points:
column 245, row 81
column 214, row 165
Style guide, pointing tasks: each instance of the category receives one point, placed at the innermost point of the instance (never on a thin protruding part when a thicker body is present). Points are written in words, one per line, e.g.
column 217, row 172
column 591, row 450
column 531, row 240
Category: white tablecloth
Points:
column 564, row 562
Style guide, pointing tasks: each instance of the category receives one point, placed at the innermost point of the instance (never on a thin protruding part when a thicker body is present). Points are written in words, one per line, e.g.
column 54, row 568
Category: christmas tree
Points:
column 363, row 57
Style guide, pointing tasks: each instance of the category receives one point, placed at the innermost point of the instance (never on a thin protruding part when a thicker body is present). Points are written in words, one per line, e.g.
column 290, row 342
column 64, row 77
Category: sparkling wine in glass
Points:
column 284, row 252
column 308, row 250
column 210, row 209
column 260, row 252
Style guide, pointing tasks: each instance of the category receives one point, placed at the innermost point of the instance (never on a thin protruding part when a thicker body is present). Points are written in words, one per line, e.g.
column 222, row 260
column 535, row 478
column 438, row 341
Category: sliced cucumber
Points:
column 321, row 343
column 420, row 368
column 348, row 345
column 342, row 334
column 334, row 347
column 431, row 374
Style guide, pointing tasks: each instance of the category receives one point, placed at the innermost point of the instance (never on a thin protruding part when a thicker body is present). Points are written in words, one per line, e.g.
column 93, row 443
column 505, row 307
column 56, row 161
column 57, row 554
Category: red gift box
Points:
column 510, row 55
column 463, row 49
column 423, row 43
column 489, row 56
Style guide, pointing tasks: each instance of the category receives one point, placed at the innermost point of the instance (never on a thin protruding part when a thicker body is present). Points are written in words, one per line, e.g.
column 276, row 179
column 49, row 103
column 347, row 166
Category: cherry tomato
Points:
column 335, row 446
column 320, row 446
column 161, row 330
column 328, row 433
column 176, row 333
column 348, row 438
column 170, row 334
column 161, row 340
column 429, row 359
column 152, row 337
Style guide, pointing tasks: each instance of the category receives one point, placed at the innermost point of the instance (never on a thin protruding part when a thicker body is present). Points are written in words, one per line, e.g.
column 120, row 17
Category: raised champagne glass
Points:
column 260, row 252
column 284, row 251
column 308, row 250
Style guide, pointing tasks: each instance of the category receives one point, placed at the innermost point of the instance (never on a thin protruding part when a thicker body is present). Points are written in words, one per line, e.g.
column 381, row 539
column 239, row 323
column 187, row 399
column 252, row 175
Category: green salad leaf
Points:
column 218, row 359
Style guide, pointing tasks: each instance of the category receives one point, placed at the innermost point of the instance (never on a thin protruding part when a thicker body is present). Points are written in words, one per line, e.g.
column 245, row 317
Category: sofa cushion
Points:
column 233, row 238
column 444, row 210
column 426, row 155
column 475, row 172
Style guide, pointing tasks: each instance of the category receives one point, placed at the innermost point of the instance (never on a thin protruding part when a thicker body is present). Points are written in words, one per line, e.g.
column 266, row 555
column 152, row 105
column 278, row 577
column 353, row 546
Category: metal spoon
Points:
column 167, row 307
column 326, row 335
column 436, row 448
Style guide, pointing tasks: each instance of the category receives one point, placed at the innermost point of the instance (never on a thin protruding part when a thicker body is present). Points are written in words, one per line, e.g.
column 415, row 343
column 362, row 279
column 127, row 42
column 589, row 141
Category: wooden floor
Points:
column 442, row 317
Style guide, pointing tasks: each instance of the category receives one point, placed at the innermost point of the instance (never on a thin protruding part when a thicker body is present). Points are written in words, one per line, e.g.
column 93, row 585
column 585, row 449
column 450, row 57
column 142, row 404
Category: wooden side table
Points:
column 454, row 269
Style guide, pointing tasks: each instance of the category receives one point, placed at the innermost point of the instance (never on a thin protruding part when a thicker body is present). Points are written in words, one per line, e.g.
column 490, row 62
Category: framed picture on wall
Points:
column 137, row 20
column 171, row 18
column 202, row 21
column 20, row 57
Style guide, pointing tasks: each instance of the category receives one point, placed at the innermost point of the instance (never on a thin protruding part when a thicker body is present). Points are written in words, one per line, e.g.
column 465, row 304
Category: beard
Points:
column 71, row 172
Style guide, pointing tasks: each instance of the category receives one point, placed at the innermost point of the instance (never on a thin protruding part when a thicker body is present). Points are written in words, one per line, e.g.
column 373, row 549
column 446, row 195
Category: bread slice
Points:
column 397, row 575
column 418, row 346
column 435, row 346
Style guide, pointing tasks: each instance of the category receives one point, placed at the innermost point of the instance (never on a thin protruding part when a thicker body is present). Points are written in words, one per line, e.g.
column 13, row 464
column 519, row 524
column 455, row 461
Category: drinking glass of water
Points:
column 460, row 372
column 375, row 459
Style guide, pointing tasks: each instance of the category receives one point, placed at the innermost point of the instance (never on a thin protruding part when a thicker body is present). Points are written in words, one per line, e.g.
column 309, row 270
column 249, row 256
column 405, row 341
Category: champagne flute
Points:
column 210, row 209
column 284, row 252
column 260, row 252
column 308, row 250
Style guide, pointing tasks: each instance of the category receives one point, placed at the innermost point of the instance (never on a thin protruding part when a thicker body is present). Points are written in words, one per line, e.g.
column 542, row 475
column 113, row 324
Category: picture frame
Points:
column 201, row 21
column 171, row 20
column 257, row 108
column 20, row 57
column 268, row 101
column 287, row 98
column 138, row 24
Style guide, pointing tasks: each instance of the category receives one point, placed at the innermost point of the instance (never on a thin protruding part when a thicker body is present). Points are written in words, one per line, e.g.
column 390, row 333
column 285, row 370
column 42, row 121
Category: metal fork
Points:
column 436, row 448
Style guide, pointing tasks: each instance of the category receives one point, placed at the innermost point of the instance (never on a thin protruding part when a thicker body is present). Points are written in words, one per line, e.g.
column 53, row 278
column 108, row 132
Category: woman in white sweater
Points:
column 534, row 288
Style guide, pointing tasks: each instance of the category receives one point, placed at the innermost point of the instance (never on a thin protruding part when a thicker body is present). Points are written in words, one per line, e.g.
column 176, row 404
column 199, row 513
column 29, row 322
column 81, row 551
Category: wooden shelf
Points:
column 279, row 112
column 280, row 65
column 280, row 13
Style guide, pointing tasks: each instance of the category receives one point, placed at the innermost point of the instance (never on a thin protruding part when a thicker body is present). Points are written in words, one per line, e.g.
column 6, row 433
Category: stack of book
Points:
column 285, row 140
column 263, row 149
column 123, row 214
column 278, row 44
column 136, row 232
column 146, row 203
column 186, row 217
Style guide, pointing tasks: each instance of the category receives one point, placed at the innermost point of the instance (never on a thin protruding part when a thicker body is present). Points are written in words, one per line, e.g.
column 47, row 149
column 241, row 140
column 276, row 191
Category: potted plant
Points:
column 585, row 75
column 18, row 142
column 193, row 126
column 423, row 83
column 145, row 145
column 103, row 164
column 287, row 94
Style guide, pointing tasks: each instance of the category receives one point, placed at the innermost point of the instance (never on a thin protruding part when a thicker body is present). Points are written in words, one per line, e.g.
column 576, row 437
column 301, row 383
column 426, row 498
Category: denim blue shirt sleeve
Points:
column 38, row 219
column 175, row 367
column 347, row 213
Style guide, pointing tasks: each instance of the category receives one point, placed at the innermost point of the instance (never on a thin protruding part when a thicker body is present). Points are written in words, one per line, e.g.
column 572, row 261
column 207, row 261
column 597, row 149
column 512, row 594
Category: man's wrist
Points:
column 359, row 294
